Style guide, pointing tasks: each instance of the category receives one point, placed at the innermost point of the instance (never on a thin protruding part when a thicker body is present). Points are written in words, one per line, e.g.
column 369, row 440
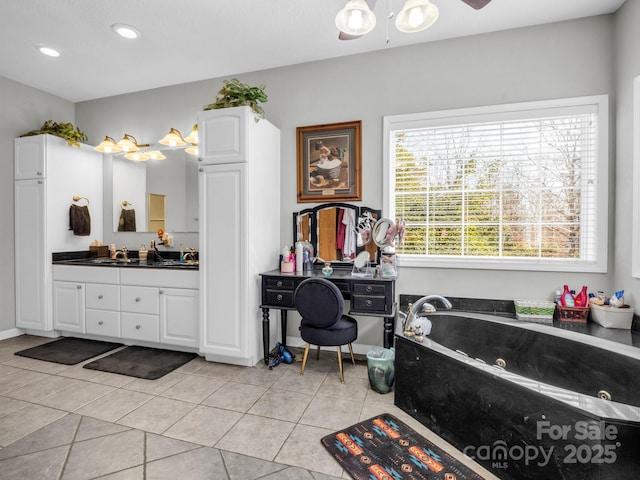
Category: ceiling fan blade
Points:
column 346, row 36
column 477, row 4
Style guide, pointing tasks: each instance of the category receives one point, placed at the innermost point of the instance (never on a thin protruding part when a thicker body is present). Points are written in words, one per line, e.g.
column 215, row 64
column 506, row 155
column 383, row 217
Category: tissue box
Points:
column 99, row 251
column 612, row 317
column 538, row 311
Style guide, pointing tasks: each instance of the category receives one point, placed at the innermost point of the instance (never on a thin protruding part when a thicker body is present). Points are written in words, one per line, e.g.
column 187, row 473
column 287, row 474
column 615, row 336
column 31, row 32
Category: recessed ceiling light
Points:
column 51, row 52
column 126, row 31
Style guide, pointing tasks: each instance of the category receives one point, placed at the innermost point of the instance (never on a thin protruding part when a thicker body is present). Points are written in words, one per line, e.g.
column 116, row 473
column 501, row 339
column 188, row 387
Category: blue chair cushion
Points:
column 319, row 302
column 342, row 332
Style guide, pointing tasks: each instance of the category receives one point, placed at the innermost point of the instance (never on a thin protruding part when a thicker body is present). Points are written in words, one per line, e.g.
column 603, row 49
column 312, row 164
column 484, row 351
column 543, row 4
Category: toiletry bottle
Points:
column 142, row 253
column 299, row 257
column 582, row 299
column 181, row 253
column 112, row 249
column 567, row 299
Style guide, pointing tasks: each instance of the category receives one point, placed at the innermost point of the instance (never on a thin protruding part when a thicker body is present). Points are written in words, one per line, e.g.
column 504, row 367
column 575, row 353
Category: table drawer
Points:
column 102, row 297
column 342, row 286
column 284, row 283
column 140, row 300
column 368, row 303
column 369, row 289
column 137, row 326
column 280, row 298
column 102, row 322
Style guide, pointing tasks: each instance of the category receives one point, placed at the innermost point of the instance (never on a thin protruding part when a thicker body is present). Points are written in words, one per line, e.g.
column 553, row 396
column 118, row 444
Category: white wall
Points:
column 22, row 109
column 565, row 59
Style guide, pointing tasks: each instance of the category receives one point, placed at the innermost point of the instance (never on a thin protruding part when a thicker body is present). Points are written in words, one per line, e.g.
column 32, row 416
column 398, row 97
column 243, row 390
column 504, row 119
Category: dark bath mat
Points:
column 384, row 447
column 68, row 350
column 142, row 362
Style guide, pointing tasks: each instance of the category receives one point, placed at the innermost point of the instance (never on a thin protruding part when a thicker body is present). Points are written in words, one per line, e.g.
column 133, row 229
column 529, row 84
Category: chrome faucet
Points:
column 154, row 253
column 123, row 254
column 191, row 256
column 419, row 309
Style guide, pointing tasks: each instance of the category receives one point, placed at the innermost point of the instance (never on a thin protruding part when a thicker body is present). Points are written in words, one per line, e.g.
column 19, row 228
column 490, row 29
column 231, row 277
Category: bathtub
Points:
column 544, row 413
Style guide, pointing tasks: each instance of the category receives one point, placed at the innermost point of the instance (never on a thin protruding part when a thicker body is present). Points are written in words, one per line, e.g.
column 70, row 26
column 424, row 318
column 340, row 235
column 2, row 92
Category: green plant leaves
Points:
column 71, row 134
column 237, row 94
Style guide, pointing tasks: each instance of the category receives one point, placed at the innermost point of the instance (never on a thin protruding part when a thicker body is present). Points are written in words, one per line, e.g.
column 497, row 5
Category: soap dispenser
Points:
column 142, row 253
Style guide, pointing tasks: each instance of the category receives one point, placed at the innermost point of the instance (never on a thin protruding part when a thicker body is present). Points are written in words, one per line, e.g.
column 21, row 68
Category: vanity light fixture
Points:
column 126, row 31
column 137, row 156
column 108, row 145
column 192, row 138
column 156, row 155
column 416, row 15
column 355, row 18
column 48, row 51
column 130, row 144
column 173, row 139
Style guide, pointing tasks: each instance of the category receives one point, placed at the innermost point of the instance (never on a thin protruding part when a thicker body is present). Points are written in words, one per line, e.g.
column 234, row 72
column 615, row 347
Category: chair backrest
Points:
column 319, row 302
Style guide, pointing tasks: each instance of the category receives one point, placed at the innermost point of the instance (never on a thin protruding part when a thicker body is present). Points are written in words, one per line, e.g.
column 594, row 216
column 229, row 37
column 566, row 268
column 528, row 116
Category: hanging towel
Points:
column 127, row 221
column 79, row 220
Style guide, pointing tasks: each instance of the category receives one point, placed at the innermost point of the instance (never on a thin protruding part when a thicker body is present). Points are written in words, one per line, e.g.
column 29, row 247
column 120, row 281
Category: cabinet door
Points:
column 222, row 135
column 179, row 316
column 29, row 157
column 30, row 263
column 68, row 307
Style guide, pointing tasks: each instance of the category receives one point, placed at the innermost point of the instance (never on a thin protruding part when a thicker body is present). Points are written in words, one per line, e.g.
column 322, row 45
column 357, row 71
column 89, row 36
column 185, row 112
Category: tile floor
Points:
column 202, row 421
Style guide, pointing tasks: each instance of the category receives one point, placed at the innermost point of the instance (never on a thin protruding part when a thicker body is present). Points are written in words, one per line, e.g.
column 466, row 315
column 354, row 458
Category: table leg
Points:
column 265, row 335
column 389, row 328
column 283, row 326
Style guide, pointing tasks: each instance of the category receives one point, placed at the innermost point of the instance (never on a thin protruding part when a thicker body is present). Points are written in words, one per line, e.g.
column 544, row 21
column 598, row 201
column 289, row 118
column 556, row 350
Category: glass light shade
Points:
column 192, row 150
column 108, row 145
column 416, row 15
column 155, row 155
column 127, row 145
column 173, row 139
column 192, row 138
column 355, row 18
column 137, row 156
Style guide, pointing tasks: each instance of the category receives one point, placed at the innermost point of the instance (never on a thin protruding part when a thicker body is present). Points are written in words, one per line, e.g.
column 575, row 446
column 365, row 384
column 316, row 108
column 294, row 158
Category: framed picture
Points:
column 329, row 162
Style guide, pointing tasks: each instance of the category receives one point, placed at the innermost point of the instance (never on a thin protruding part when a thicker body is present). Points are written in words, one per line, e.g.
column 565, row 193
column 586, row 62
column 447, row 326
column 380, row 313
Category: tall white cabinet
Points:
column 239, row 194
column 48, row 173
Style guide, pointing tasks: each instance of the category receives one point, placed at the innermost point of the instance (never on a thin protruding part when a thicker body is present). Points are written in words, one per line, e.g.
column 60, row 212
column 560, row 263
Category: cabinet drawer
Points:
column 280, row 298
column 369, row 289
column 368, row 303
column 139, row 299
column 102, row 322
column 137, row 326
column 102, row 297
column 281, row 283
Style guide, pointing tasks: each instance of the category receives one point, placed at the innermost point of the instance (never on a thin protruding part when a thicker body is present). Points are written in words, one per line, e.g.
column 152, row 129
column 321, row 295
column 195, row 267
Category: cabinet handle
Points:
column 79, row 287
column 279, row 283
column 161, row 292
column 99, row 297
column 39, row 174
column 200, row 169
column 137, row 327
column 39, row 182
column 279, row 297
column 369, row 288
column 137, row 299
column 100, row 322
column 369, row 303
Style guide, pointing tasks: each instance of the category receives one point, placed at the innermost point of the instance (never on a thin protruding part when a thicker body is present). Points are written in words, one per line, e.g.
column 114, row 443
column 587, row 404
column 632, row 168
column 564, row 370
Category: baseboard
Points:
column 12, row 332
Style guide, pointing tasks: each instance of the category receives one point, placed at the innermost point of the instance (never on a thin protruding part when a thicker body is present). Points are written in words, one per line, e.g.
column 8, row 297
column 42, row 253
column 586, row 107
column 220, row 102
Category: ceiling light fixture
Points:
column 126, row 31
column 416, row 15
column 108, row 145
column 48, row 51
column 130, row 144
column 173, row 139
column 355, row 18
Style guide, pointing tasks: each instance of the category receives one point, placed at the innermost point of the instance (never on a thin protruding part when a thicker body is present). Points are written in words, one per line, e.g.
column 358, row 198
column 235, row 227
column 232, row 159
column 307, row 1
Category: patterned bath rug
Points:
column 142, row 362
column 68, row 350
column 385, row 448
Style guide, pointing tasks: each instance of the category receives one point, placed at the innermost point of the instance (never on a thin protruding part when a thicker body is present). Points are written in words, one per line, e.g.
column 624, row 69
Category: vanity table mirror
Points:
column 339, row 232
column 139, row 188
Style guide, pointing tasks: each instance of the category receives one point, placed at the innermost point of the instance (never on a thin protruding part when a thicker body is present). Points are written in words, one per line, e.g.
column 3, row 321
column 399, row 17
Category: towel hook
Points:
column 77, row 198
column 125, row 203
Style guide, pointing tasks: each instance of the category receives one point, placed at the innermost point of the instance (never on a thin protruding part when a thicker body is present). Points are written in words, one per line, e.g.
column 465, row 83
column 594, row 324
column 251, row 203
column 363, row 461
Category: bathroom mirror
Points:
column 170, row 185
column 380, row 230
column 334, row 230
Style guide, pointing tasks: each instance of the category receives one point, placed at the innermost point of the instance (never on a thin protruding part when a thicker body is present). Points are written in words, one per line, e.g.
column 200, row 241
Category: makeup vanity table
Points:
column 368, row 296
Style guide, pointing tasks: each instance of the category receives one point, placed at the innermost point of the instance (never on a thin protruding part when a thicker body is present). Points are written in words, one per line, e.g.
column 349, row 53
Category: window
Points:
column 520, row 186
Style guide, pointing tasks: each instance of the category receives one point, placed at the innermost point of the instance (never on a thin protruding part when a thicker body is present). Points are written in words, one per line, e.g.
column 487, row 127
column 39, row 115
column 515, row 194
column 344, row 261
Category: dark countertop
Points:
column 170, row 260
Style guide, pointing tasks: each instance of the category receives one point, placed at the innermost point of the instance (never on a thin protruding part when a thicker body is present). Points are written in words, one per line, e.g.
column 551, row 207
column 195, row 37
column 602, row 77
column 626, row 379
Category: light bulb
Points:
column 415, row 17
column 355, row 19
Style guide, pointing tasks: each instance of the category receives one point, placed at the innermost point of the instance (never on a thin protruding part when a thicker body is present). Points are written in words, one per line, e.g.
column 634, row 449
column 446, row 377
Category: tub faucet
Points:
column 419, row 309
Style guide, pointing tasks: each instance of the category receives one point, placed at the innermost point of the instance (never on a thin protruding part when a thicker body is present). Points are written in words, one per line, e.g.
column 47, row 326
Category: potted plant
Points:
column 71, row 134
column 237, row 94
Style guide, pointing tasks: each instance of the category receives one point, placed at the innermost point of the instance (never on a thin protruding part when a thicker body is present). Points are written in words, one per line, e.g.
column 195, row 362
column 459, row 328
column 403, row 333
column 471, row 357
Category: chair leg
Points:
column 304, row 358
column 353, row 360
column 340, row 365
column 318, row 353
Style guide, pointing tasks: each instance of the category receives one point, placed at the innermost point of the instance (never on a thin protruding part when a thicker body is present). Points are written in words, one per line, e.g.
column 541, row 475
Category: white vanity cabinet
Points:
column 48, row 174
column 136, row 305
column 239, row 230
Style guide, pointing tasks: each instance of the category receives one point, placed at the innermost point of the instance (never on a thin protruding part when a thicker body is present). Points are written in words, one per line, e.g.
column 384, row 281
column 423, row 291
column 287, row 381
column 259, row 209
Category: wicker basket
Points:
column 573, row 314
column 538, row 311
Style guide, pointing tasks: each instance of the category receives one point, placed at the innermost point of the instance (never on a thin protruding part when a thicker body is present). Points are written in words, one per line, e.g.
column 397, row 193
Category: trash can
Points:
column 380, row 365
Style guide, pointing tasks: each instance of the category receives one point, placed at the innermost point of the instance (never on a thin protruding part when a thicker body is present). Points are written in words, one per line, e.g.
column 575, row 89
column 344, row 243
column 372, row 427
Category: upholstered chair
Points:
column 323, row 324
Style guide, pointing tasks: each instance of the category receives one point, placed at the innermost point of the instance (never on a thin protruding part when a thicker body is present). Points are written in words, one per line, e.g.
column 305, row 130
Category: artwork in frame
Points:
column 329, row 162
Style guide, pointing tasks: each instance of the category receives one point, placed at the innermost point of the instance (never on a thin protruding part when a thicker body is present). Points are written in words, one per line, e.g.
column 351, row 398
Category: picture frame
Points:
column 329, row 163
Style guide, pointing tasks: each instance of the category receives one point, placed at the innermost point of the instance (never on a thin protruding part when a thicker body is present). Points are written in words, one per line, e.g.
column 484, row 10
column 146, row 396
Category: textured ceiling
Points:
column 199, row 39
